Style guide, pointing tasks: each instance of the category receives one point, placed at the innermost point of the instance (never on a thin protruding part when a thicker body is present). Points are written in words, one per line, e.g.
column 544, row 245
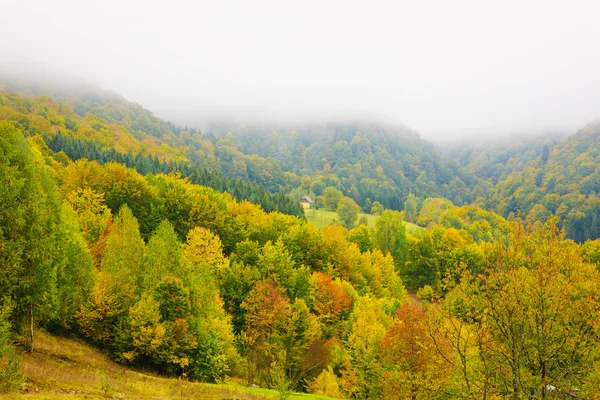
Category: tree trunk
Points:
column 29, row 330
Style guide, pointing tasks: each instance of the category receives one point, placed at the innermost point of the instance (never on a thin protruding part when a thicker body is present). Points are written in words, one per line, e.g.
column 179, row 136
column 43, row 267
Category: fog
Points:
column 448, row 69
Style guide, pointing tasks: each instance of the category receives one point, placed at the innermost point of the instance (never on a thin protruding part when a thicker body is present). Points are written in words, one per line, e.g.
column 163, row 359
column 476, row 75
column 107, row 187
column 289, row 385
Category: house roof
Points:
column 307, row 199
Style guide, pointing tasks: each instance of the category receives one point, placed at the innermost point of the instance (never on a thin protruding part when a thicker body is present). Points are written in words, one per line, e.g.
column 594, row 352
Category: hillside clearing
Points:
column 64, row 368
column 322, row 218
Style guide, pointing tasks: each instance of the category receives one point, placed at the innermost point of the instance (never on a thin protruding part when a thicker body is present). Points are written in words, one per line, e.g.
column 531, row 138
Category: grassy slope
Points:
column 62, row 368
column 322, row 218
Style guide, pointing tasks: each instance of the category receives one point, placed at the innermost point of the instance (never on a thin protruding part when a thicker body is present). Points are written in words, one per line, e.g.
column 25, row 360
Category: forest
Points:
column 187, row 253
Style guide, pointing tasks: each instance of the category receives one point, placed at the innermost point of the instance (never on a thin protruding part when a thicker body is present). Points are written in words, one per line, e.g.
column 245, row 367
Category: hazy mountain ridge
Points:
column 561, row 179
column 95, row 138
column 362, row 159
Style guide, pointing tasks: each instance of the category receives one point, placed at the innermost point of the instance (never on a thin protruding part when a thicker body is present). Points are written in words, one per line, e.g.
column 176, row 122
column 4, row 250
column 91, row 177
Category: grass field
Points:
column 322, row 218
column 62, row 368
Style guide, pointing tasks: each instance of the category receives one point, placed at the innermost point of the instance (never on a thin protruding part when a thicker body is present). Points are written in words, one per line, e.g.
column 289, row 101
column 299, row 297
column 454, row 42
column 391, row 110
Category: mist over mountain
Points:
column 446, row 70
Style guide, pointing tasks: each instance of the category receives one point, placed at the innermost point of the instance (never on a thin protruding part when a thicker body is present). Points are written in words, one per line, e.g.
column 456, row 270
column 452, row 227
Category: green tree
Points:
column 367, row 206
column 361, row 235
column 29, row 216
column 348, row 211
column 75, row 272
column 122, row 261
column 163, row 256
column 331, row 197
column 214, row 354
column 389, row 236
column 411, row 207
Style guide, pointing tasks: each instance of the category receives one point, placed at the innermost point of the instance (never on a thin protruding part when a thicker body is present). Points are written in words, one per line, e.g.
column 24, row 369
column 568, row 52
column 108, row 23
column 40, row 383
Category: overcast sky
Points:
column 447, row 69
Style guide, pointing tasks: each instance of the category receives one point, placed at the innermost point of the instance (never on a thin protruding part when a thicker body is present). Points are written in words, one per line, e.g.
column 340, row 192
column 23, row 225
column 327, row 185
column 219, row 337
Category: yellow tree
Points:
column 362, row 377
column 267, row 316
column 413, row 368
column 536, row 310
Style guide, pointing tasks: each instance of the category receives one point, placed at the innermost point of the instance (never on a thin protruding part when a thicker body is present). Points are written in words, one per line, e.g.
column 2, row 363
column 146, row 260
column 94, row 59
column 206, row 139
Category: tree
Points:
column 147, row 331
column 75, row 272
column 545, row 154
column 389, row 236
column 369, row 323
column 377, row 208
column 326, row 384
column 317, row 187
column 122, row 261
column 29, row 216
column 368, row 205
column 305, row 353
column 93, row 217
column 214, row 353
column 532, row 318
column 163, row 256
column 348, row 211
column 411, row 207
column 204, row 246
column 331, row 303
column 413, row 368
column 331, row 197
column 267, row 317
column 361, row 235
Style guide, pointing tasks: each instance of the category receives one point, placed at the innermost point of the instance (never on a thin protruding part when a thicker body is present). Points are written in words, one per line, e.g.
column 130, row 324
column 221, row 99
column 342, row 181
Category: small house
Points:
column 306, row 202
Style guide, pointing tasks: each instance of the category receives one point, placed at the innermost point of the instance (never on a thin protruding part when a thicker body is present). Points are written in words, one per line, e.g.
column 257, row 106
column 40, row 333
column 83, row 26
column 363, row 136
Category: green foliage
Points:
column 331, row 198
column 361, row 236
column 122, row 259
column 389, row 236
column 546, row 176
column 75, row 273
column 173, row 299
column 412, row 206
column 11, row 374
column 377, row 208
column 432, row 209
column 29, row 219
column 94, row 248
column 163, row 256
column 348, row 211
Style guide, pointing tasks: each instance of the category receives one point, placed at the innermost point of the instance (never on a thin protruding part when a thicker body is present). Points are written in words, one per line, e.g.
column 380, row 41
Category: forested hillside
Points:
column 367, row 162
column 166, row 275
column 543, row 177
column 106, row 128
column 499, row 157
column 382, row 163
column 187, row 254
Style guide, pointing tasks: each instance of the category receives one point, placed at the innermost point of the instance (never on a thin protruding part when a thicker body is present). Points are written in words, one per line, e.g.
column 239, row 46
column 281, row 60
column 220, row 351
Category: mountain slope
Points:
column 67, row 368
column 96, row 138
column 565, row 181
column 363, row 160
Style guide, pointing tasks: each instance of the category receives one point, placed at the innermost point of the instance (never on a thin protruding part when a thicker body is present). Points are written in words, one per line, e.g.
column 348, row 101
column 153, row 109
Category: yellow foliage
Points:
column 326, row 384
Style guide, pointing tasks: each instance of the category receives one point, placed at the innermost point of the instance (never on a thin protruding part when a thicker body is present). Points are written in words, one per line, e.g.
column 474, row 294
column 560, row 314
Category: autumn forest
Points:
column 456, row 273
